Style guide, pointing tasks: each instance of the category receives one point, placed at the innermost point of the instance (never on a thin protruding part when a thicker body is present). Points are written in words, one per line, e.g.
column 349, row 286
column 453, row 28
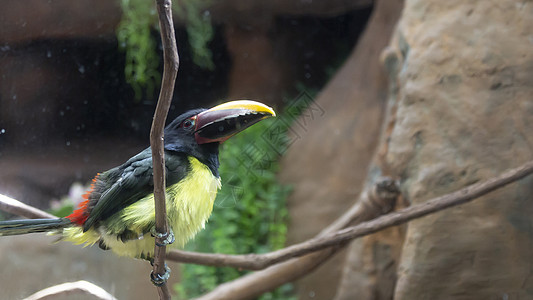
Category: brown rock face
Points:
column 256, row 72
column 335, row 142
column 250, row 12
column 465, row 114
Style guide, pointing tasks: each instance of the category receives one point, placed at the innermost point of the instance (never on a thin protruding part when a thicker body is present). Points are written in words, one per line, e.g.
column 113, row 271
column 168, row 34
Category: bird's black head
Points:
column 199, row 132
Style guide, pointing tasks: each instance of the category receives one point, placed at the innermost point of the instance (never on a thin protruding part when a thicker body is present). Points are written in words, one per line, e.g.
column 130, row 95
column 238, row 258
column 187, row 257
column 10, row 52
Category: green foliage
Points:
column 64, row 209
column 64, row 206
column 250, row 213
column 199, row 30
column 136, row 40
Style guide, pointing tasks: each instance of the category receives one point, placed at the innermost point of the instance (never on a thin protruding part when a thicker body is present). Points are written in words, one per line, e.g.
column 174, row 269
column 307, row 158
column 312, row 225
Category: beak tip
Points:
column 229, row 116
column 265, row 109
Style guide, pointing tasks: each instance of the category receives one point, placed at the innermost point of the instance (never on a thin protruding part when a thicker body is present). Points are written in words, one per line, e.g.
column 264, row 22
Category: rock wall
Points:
column 464, row 113
column 460, row 111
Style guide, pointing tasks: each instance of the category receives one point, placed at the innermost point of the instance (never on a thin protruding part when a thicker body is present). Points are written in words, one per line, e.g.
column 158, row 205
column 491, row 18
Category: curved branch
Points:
column 170, row 71
column 371, row 203
column 18, row 208
column 70, row 289
column 255, row 284
column 380, row 199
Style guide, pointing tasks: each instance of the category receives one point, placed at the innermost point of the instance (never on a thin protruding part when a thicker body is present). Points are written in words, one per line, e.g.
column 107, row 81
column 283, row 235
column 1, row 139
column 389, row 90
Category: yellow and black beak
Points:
column 225, row 120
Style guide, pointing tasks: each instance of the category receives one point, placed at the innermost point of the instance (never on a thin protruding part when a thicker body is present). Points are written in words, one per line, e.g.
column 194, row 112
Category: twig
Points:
column 18, row 208
column 70, row 289
column 170, row 71
column 255, row 284
column 252, row 285
column 372, row 203
column 379, row 199
column 405, row 215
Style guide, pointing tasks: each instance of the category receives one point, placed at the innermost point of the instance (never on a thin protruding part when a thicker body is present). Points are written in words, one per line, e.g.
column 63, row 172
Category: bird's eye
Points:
column 188, row 123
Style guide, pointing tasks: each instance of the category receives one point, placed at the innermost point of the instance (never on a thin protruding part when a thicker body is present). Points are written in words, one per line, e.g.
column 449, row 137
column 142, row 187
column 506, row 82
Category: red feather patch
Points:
column 80, row 215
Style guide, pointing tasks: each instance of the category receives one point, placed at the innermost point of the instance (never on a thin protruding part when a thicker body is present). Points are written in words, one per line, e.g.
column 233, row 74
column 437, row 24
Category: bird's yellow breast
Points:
column 189, row 204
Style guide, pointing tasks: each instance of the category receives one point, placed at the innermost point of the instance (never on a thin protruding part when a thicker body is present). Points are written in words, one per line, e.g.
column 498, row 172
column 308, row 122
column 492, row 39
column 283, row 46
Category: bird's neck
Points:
column 212, row 163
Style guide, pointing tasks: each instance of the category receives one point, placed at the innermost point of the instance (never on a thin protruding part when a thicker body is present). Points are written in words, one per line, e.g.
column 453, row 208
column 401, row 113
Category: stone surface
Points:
column 261, row 12
column 23, row 21
column 27, row 20
column 369, row 271
column 33, row 262
column 256, row 72
column 465, row 114
column 333, row 144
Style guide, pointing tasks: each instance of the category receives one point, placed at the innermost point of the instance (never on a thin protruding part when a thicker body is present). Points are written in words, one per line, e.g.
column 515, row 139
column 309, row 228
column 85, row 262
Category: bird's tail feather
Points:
column 16, row 227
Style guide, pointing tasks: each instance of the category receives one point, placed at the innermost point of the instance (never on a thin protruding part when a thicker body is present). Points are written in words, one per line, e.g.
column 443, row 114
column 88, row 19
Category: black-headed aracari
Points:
column 118, row 211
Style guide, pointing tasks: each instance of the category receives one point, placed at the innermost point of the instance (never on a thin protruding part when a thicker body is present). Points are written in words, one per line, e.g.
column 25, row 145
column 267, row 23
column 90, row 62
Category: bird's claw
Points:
column 158, row 279
column 168, row 237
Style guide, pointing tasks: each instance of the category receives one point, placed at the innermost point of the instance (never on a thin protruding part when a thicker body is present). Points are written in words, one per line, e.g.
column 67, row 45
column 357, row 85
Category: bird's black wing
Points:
column 119, row 187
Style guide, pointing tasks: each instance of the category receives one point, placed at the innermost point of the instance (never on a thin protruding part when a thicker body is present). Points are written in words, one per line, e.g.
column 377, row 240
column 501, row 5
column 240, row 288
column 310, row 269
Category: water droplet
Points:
column 81, row 69
column 15, row 97
column 61, row 113
column 2, row 131
column 68, row 143
column 48, row 53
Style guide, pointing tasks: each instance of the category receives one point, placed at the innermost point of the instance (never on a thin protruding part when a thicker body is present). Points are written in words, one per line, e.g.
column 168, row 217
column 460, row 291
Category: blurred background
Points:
column 81, row 79
column 437, row 95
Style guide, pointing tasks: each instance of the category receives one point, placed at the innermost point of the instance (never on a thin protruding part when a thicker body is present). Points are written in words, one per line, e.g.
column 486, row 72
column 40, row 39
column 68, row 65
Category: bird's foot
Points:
column 158, row 279
column 168, row 237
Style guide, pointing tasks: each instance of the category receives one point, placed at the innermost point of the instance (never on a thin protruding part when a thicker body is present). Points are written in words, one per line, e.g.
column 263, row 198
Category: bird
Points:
column 118, row 210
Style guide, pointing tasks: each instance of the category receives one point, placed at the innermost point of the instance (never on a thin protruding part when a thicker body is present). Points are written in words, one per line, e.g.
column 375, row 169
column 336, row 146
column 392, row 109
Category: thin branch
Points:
column 405, row 215
column 70, row 289
column 372, row 203
column 255, row 284
column 170, row 71
column 379, row 199
column 18, row 208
